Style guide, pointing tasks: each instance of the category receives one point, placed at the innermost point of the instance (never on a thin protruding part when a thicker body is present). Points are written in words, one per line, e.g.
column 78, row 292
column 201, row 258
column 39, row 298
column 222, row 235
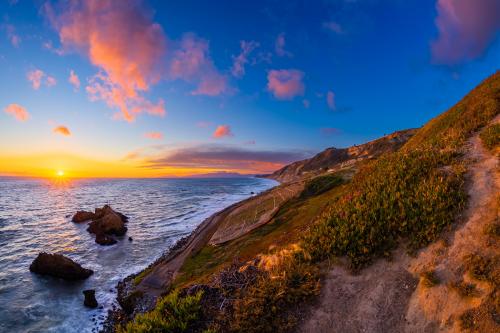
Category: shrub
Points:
column 266, row 305
column 399, row 195
column 464, row 289
column 172, row 314
column 491, row 136
column 320, row 184
column 429, row 279
column 467, row 320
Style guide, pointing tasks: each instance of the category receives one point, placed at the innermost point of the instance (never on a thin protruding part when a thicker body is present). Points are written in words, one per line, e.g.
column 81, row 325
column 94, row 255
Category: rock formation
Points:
column 59, row 266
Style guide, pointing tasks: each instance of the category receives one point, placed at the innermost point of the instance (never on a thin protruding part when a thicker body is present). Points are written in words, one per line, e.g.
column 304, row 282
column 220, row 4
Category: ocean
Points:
column 35, row 216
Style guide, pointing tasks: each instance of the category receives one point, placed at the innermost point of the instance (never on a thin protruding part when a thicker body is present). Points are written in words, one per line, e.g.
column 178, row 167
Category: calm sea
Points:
column 35, row 216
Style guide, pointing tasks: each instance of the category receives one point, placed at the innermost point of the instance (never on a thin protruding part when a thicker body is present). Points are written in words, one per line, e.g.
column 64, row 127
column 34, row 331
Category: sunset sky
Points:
column 171, row 88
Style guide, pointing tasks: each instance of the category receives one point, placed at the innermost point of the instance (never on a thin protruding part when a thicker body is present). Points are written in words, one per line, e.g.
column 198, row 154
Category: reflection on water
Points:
column 35, row 216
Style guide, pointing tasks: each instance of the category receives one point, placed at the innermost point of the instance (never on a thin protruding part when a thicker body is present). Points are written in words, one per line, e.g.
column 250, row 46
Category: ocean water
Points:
column 35, row 216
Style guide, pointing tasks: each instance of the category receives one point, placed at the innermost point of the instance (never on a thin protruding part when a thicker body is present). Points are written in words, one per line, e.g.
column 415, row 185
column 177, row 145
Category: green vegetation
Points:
column 410, row 195
column 173, row 314
column 491, row 136
column 321, row 184
column 265, row 306
column 429, row 279
column 400, row 195
column 142, row 275
column 464, row 289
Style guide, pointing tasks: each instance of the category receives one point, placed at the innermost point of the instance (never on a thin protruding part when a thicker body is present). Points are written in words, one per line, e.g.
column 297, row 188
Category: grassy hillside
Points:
column 259, row 283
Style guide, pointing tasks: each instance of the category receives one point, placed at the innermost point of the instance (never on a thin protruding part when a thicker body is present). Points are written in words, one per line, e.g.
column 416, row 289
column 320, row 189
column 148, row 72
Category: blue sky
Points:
column 374, row 58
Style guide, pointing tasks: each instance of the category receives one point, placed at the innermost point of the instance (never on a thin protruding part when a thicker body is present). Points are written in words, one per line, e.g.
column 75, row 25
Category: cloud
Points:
column 17, row 111
column 154, row 135
column 191, row 62
column 238, row 68
column 120, row 39
column 13, row 37
column 330, row 100
column 223, row 157
column 466, row 28
column 279, row 46
column 50, row 81
column 306, row 103
column 285, row 83
column 222, row 131
column 327, row 131
column 333, row 27
column 74, row 80
column 37, row 76
column 204, row 124
column 63, row 130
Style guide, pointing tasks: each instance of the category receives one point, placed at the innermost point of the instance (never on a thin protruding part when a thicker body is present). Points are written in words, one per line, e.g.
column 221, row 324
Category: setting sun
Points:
column 60, row 173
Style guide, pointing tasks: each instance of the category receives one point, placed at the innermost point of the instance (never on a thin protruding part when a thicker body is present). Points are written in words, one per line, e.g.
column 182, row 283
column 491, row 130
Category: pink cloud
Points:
column 285, row 83
column 222, row 131
column 50, row 81
column 327, row 131
column 204, row 124
column 333, row 26
column 279, row 46
column 13, row 37
column 154, row 135
column 74, row 80
column 466, row 28
column 191, row 62
column 17, row 111
column 330, row 100
column 35, row 77
column 119, row 38
column 62, row 130
column 238, row 68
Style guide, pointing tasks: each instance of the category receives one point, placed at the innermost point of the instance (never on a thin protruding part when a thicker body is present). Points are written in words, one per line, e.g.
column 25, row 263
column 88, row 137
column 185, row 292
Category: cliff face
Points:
column 334, row 158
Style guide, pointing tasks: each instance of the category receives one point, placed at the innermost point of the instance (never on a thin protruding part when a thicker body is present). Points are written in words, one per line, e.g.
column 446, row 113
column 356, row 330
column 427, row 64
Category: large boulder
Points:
column 59, row 266
column 111, row 224
column 90, row 300
column 103, row 239
column 82, row 216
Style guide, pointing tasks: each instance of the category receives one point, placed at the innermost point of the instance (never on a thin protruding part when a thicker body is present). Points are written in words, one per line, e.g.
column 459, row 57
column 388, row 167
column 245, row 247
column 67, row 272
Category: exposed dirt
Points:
column 386, row 297
column 254, row 213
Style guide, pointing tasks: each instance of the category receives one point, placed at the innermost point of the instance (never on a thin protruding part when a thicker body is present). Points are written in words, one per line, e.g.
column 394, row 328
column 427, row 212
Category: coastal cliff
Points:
column 396, row 235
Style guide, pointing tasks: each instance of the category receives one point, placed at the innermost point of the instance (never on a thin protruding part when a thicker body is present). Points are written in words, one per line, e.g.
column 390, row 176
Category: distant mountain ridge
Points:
column 337, row 158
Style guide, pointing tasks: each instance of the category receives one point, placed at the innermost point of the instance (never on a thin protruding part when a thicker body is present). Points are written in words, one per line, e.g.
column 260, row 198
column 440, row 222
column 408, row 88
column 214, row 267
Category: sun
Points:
column 60, row 173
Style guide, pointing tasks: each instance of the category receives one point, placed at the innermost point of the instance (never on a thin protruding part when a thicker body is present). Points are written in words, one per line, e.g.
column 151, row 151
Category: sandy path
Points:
column 385, row 298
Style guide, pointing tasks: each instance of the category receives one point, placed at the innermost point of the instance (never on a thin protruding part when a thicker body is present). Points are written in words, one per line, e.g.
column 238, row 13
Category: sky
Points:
column 129, row 88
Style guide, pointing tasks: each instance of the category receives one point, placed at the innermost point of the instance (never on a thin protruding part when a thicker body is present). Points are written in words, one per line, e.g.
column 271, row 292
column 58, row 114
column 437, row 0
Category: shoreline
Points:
column 127, row 290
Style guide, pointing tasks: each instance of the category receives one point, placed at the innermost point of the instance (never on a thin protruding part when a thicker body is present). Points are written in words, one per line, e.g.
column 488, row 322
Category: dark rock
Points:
column 90, row 300
column 59, row 266
column 130, row 239
column 82, row 216
column 110, row 223
column 103, row 239
column 252, row 192
column 129, row 302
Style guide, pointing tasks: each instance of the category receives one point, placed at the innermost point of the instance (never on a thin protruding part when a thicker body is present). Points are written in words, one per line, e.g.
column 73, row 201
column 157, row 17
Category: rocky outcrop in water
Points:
column 82, row 216
column 57, row 265
column 90, row 300
column 104, row 222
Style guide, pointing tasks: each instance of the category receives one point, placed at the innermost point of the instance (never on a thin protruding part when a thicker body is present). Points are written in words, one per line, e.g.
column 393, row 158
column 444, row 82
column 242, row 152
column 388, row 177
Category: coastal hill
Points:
column 398, row 235
column 332, row 159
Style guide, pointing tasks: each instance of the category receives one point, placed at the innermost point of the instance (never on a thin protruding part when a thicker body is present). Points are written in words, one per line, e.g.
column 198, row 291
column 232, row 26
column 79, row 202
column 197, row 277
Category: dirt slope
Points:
column 386, row 297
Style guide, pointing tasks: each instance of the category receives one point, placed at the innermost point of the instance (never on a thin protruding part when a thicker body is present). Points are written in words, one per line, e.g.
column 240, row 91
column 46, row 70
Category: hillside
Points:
column 332, row 159
column 397, row 235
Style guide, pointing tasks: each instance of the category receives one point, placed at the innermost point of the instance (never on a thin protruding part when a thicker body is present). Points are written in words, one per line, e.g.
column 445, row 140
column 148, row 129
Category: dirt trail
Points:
column 386, row 297
column 222, row 227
